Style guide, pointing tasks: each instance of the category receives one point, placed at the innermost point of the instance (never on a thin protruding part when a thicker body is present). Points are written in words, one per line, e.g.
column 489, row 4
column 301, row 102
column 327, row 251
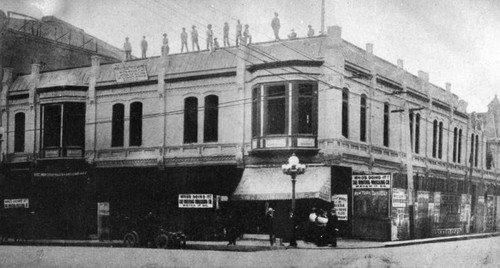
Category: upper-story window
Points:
column 280, row 109
column 63, row 129
column 211, row 120
column 476, row 157
column 471, row 156
column 345, row 112
column 459, row 154
column 434, row 138
column 135, row 128
column 387, row 113
column 19, row 132
column 191, row 120
column 117, row 125
column 417, row 133
column 362, row 118
column 440, row 143
column 455, row 143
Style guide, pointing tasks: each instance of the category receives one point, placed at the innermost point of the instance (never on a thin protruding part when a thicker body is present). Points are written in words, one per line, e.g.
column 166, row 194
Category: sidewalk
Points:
column 256, row 245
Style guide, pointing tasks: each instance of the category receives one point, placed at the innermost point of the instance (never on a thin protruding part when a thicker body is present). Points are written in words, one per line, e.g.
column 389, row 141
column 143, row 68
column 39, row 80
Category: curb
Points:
column 439, row 239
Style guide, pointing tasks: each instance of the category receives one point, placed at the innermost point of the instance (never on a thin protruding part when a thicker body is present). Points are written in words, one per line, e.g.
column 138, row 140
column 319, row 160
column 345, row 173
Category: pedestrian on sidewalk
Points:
column 332, row 227
column 232, row 230
column 294, row 223
column 270, row 226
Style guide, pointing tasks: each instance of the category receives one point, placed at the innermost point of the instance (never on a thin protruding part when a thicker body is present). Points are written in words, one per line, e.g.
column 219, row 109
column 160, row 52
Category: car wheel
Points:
column 130, row 240
column 162, row 241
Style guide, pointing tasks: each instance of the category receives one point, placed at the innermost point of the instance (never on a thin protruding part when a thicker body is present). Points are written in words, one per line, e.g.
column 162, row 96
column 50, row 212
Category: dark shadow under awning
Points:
column 272, row 184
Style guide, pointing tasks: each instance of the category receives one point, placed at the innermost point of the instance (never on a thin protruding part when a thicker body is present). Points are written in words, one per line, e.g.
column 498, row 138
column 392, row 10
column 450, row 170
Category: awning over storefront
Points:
column 272, row 184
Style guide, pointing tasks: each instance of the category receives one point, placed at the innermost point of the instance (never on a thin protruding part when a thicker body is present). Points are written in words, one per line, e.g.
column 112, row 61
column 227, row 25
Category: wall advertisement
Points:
column 400, row 217
column 196, row 200
column 340, row 203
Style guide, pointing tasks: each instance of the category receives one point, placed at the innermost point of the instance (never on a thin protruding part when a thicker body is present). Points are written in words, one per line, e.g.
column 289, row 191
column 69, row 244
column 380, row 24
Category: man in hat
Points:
column 310, row 32
column 270, row 226
column 210, row 38
column 194, row 38
column 239, row 29
column 226, row 34
column 184, row 40
column 127, row 47
column 144, row 47
column 247, row 37
column 165, row 49
column 275, row 24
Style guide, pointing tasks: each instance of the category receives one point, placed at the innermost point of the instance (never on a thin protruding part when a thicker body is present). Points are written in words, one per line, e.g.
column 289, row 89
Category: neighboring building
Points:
column 145, row 135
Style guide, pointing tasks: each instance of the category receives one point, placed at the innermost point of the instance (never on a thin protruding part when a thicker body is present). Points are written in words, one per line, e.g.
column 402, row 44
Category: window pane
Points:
column 362, row 118
column 191, row 120
column 211, row 124
column 74, row 124
column 276, row 110
column 117, row 127
column 417, row 133
column 386, row 124
column 256, row 112
column 305, row 111
column 19, row 129
column 52, row 126
column 345, row 113
column 135, row 135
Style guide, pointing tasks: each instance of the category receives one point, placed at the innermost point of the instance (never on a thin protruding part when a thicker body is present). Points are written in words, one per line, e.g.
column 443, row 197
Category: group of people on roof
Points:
column 243, row 37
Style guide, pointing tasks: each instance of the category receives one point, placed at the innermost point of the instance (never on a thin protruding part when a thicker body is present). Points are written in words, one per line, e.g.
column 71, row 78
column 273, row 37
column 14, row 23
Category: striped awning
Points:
column 272, row 184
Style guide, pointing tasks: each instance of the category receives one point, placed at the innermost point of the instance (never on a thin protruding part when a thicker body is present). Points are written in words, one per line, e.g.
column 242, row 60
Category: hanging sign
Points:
column 340, row 204
column 196, row 201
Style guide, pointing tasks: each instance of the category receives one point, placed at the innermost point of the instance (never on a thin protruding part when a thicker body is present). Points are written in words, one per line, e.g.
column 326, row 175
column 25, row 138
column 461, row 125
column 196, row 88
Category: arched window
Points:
column 117, row 125
column 135, row 129
column 417, row 133
column 459, row 145
column 455, row 142
column 440, row 148
column 386, row 124
column 211, row 121
column 191, row 120
column 434, row 138
column 362, row 118
column 345, row 112
column 19, row 129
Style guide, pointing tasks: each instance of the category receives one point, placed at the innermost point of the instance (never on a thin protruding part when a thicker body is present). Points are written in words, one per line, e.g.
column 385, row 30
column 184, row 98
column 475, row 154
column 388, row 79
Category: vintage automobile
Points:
column 160, row 239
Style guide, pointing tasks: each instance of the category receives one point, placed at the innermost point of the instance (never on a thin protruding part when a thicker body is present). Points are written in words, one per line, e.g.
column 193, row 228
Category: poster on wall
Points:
column 371, row 195
column 16, row 203
column 196, row 201
column 399, row 215
column 340, row 203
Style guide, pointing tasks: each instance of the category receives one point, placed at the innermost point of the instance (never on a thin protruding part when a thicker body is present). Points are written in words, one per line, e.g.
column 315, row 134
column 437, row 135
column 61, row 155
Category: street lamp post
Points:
column 293, row 168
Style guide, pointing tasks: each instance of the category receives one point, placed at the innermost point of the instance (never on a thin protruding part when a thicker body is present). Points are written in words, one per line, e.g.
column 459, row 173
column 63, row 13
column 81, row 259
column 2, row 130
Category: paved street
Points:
column 468, row 253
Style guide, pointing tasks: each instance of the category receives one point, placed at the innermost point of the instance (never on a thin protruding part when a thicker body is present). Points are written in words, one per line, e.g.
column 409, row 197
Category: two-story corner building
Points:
column 195, row 137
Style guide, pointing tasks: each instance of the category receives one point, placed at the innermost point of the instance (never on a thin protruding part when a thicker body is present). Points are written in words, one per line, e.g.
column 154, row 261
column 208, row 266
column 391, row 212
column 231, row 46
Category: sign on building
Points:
column 340, row 204
column 127, row 74
column 196, row 200
column 16, row 203
column 371, row 181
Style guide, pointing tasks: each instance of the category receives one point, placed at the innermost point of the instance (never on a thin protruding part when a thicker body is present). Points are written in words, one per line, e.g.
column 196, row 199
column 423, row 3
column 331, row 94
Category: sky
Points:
column 454, row 41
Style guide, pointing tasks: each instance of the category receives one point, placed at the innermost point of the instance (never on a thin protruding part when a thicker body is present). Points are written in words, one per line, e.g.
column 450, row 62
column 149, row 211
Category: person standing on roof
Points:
column 226, row 34
column 127, row 47
column 292, row 35
column 144, row 46
column 310, row 32
column 165, row 49
column 194, row 38
column 247, row 36
column 184, row 40
column 239, row 29
column 275, row 24
column 210, row 38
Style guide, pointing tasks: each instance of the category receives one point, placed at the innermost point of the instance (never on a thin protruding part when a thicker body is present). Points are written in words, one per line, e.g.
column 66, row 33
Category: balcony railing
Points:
column 58, row 152
column 285, row 142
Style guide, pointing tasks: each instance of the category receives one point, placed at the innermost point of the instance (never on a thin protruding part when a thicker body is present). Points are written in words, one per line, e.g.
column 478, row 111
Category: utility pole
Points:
column 409, row 168
column 322, row 17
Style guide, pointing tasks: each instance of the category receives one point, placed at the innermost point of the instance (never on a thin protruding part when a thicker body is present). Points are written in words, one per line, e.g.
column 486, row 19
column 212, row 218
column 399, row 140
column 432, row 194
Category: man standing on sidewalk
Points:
column 270, row 226
column 332, row 227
